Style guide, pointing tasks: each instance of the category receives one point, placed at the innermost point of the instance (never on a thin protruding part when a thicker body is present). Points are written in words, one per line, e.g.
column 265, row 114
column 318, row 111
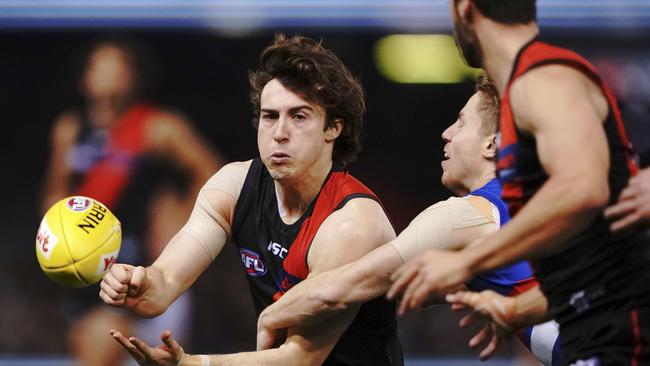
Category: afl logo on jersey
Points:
column 78, row 204
column 253, row 263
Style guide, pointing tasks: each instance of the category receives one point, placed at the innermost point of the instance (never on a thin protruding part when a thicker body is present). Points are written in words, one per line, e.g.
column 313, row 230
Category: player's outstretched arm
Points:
column 149, row 291
column 633, row 206
column 345, row 236
column 304, row 346
column 322, row 295
column 57, row 179
column 557, row 107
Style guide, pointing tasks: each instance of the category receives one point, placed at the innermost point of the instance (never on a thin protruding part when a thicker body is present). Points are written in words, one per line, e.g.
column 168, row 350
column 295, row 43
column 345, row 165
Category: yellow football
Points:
column 77, row 242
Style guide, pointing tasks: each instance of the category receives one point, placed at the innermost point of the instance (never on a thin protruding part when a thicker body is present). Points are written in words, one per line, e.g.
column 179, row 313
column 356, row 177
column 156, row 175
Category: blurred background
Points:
column 196, row 55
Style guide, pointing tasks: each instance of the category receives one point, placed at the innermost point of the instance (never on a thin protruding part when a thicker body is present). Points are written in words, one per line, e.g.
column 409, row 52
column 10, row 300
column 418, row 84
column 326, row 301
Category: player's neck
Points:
column 481, row 180
column 295, row 195
column 500, row 45
column 105, row 114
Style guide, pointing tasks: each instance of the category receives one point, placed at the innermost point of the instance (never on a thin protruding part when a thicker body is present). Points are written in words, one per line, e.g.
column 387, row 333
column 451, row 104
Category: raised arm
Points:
column 57, row 178
column 149, row 291
column 172, row 135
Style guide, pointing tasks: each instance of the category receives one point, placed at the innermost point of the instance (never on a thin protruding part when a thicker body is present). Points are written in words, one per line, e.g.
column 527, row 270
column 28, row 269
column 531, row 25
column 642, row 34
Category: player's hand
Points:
column 168, row 353
column 494, row 311
column 266, row 338
column 433, row 273
column 123, row 285
column 633, row 206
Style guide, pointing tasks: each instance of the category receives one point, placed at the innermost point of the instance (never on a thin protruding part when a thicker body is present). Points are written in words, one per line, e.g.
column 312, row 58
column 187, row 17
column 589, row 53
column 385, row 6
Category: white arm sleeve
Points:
column 434, row 228
column 204, row 222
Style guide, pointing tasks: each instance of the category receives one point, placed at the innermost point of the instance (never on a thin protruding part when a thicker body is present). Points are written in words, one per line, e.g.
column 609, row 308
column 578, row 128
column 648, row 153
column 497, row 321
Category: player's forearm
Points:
column 293, row 352
column 157, row 297
column 329, row 293
column 531, row 308
column 177, row 267
column 272, row 357
column 557, row 212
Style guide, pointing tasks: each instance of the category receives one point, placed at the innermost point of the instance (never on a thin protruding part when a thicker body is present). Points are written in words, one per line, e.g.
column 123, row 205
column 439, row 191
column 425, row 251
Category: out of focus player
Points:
column 469, row 172
column 563, row 156
column 145, row 163
column 293, row 212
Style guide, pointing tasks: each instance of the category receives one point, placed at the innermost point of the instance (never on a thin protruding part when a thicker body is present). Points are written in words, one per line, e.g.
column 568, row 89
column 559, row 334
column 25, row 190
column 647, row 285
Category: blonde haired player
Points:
column 563, row 157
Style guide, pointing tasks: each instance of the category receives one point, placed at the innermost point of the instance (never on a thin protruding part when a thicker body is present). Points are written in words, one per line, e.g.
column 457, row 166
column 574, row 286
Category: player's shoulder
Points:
column 230, row 178
column 455, row 207
column 358, row 218
column 551, row 80
column 348, row 233
column 164, row 122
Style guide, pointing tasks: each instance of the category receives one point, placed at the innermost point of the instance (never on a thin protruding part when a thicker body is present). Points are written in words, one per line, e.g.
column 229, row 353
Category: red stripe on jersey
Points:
column 524, row 285
column 534, row 55
column 107, row 180
column 339, row 186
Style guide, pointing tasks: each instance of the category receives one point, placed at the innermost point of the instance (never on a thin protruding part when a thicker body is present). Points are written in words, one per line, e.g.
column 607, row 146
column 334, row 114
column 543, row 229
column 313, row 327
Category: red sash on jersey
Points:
column 340, row 187
column 534, row 55
column 107, row 179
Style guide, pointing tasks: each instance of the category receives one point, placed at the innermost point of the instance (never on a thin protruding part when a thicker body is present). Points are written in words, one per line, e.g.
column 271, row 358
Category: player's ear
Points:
column 463, row 10
column 333, row 131
column 489, row 148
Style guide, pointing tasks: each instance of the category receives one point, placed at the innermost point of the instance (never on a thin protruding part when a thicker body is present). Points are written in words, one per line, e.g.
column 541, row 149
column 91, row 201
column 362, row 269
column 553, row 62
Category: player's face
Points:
column 465, row 37
column 291, row 135
column 463, row 159
column 108, row 76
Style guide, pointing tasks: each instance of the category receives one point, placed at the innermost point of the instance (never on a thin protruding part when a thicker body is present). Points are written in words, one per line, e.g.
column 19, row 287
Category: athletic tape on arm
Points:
column 203, row 223
column 434, row 227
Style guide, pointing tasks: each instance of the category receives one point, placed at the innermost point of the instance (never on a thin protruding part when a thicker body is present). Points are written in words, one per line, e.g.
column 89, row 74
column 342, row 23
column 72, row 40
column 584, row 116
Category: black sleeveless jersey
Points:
column 597, row 267
column 274, row 256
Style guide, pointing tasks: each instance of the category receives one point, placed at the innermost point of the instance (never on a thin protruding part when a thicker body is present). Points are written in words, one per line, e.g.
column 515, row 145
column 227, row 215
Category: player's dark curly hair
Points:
column 508, row 11
column 489, row 107
column 305, row 67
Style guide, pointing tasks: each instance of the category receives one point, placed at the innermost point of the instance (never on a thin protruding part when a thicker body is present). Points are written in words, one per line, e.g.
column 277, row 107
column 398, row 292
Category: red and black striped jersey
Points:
column 274, row 256
column 594, row 261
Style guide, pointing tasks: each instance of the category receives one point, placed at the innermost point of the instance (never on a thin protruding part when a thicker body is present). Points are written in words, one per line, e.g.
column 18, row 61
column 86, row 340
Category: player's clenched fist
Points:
column 124, row 285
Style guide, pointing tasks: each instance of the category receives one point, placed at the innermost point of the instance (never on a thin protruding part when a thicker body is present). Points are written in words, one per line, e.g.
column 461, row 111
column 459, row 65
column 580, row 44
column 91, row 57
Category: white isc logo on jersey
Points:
column 277, row 249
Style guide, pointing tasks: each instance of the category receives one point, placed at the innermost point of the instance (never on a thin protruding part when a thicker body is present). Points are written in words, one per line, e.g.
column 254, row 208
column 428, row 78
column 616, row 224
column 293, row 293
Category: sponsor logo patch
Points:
column 253, row 263
column 78, row 204
column 105, row 262
column 46, row 240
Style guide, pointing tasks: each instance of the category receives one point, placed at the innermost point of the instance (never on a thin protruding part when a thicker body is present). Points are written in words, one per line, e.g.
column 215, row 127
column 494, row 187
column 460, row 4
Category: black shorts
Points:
column 616, row 335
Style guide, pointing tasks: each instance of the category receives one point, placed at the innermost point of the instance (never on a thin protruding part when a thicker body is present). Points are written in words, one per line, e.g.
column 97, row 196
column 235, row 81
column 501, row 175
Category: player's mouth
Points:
column 445, row 157
column 279, row 157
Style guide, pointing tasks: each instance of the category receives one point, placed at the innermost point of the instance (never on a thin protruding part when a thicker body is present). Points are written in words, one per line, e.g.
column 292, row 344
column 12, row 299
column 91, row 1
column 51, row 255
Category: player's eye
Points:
column 269, row 116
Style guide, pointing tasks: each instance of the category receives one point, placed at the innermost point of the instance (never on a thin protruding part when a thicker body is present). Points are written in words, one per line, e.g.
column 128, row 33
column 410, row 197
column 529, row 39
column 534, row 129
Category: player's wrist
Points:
column 194, row 360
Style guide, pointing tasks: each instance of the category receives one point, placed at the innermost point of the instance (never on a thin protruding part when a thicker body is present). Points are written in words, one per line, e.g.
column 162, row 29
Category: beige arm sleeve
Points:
column 209, row 222
column 440, row 227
